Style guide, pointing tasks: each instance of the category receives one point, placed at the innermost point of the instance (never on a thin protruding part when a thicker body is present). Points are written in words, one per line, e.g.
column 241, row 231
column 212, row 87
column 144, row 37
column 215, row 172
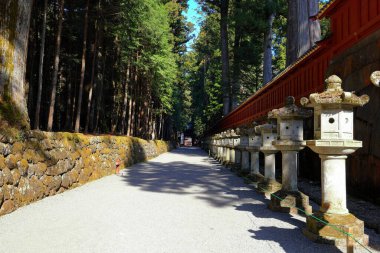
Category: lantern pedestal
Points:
column 333, row 154
column 269, row 185
column 254, row 175
column 332, row 233
column 289, row 199
column 244, row 160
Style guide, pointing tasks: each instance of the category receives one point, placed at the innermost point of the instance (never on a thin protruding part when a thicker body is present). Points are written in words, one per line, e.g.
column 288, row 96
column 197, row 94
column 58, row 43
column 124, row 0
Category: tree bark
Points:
column 130, row 106
column 41, row 68
column 225, row 59
column 125, row 102
column 94, row 54
column 14, row 32
column 83, row 69
column 267, row 65
column 235, row 86
column 302, row 33
column 56, row 66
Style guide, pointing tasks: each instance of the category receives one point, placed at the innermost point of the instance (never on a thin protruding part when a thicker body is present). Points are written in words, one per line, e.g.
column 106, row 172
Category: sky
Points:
column 194, row 17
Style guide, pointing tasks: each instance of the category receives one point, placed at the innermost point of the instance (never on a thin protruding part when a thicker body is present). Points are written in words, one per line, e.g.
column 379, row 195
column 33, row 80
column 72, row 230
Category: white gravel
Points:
column 179, row 202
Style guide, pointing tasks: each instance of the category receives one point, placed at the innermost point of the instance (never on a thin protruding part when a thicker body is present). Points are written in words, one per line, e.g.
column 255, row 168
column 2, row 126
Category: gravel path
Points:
column 179, row 202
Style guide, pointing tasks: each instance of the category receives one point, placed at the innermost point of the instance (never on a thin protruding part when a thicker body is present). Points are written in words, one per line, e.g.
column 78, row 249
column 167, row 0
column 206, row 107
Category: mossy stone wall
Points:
column 36, row 164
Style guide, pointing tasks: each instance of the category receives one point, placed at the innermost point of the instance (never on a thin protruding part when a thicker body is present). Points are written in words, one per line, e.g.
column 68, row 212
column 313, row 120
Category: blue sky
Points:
column 194, row 17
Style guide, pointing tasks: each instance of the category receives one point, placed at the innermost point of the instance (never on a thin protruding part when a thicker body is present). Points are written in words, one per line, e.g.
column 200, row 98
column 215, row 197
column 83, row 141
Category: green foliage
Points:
column 247, row 26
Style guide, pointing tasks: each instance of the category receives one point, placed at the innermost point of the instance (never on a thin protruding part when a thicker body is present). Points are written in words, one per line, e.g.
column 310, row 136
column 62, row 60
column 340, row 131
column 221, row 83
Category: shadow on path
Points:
column 192, row 172
column 290, row 239
column 199, row 175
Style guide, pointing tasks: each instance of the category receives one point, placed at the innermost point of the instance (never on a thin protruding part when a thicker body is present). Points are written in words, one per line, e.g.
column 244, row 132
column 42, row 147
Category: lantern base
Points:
column 290, row 202
column 332, row 234
column 268, row 186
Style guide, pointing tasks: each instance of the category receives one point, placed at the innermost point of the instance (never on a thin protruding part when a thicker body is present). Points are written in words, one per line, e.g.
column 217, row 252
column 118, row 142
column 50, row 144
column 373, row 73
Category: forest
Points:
column 126, row 67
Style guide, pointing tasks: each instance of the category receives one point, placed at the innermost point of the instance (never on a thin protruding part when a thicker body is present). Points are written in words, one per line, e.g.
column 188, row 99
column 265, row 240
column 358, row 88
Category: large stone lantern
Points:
column 290, row 142
column 333, row 125
column 268, row 134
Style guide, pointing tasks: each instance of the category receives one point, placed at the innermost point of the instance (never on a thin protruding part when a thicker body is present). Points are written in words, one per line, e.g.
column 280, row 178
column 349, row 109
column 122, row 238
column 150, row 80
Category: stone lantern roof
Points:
column 242, row 131
column 233, row 133
column 334, row 95
column 290, row 111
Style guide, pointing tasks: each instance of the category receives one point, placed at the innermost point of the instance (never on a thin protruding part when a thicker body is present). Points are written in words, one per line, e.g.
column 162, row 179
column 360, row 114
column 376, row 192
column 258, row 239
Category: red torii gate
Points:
column 351, row 21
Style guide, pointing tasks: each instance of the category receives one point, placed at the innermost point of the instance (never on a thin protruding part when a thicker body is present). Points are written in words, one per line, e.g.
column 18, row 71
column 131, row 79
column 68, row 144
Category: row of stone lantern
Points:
column 333, row 133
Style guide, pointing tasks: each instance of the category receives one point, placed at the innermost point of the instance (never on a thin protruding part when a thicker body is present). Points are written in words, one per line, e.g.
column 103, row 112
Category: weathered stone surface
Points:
column 18, row 147
column 38, row 169
column 23, row 166
column 7, row 207
column 6, row 192
column 74, row 155
column 52, row 184
column 33, row 157
column 58, row 154
column 8, row 178
column 2, row 161
column 37, row 187
column 61, row 167
column 85, row 152
column 85, row 175
column 321, row 233
column 11, row 161
column 1, row 179
column 46, row 144
column 5, row 149
column 66, row 182
column 16, row 176
column 1, row 196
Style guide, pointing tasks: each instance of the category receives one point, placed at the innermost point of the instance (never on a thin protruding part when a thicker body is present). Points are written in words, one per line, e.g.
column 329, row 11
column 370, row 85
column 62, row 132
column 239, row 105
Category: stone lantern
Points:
column 237, row 153
column 231, row 145
column 218, row 143
column 290, row 142
column 268, row 134
column 333, row 122
column 227, row 148
column 254, row 144
column 223, row 141
column 244, row 142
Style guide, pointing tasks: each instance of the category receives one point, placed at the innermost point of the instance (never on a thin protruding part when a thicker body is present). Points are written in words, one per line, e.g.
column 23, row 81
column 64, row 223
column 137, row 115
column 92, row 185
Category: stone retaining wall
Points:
column 37, row 164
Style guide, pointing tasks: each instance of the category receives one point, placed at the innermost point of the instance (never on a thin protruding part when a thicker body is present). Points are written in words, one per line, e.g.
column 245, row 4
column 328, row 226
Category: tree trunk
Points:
column 267, row 66
column 56, row 66
column 41, row 68
column 225, row 58
column 83, row 69
column 235, row 86
column 125, row 103
column 69, row 104
column 94, row 54
column 130, row 106
column 100, row 65
column 99, row 98
column 302, row 32
column 14, row 31
column 32, row 47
